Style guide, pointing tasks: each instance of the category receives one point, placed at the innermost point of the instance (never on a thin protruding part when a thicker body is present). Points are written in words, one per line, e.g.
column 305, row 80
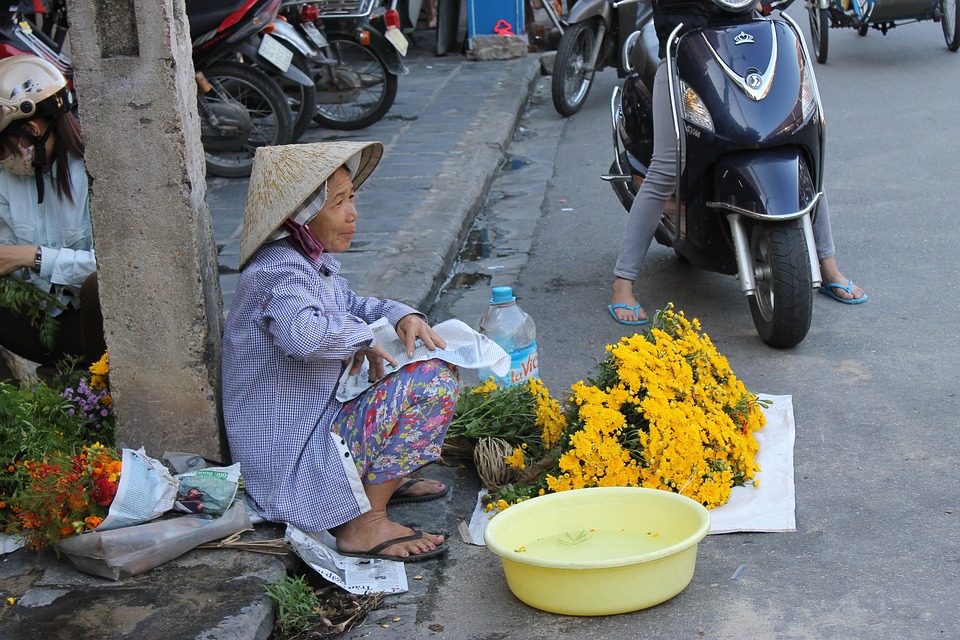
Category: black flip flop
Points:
column 400, row 495
column 374, row 553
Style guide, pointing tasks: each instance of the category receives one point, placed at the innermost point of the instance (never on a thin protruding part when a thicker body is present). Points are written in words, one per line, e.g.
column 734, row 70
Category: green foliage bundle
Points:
column 304, row 612
column 18, row 295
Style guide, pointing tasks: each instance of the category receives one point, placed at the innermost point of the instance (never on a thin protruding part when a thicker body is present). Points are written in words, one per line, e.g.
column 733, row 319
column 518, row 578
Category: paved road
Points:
column 874, row 387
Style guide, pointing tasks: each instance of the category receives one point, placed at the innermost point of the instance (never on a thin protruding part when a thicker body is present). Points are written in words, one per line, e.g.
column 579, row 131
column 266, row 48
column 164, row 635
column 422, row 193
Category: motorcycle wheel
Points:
column 819, row 29
column 783, row 305
column 950, row 21
column 270, row 116
column 362, row 74
column 572, row 71
column 302, row 99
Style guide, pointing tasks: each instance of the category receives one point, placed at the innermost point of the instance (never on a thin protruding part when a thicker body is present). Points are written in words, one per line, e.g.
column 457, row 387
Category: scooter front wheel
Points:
column 783, row 305
column 819, row 29
column 950, row 22
column 573, row 69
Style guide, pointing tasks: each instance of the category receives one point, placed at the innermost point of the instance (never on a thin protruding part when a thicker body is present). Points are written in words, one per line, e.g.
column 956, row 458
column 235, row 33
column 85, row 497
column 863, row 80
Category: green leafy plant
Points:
column 305, row 612
column 19, row 295
column 297, row 604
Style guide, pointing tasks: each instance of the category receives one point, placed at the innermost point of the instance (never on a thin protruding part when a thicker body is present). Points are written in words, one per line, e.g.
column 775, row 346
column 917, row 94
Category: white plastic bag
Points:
column 126, row 552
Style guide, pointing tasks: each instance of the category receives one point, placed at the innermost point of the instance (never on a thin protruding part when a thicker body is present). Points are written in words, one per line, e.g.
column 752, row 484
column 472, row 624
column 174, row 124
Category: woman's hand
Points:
column 412, row 327
column 16, row 256
column 375, row 356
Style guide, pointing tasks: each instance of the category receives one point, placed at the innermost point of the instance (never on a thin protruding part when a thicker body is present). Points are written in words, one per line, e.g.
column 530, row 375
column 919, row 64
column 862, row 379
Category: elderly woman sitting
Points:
column 308, row 459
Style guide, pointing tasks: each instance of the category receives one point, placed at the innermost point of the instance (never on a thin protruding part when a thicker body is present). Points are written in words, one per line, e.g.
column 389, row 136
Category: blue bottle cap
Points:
column 502, row 295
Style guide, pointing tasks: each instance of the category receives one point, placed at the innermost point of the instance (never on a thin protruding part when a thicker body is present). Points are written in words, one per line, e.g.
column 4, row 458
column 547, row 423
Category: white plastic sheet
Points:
column 120, row 553
column 770, row 507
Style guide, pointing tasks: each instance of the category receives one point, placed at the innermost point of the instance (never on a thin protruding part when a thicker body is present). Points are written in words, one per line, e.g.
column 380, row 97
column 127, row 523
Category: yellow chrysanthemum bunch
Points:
column 667, row 413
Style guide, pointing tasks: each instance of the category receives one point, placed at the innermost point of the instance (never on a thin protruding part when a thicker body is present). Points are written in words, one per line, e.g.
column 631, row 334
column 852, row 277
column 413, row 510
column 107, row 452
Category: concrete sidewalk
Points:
column 444, row 140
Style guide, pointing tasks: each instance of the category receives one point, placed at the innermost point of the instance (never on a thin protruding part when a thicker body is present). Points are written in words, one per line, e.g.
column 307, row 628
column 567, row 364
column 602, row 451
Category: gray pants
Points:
column 659, row 186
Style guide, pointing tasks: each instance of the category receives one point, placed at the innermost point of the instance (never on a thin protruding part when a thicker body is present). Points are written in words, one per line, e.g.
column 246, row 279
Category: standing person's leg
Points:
column 394, row 428
column 648, row 206
column 835, row 284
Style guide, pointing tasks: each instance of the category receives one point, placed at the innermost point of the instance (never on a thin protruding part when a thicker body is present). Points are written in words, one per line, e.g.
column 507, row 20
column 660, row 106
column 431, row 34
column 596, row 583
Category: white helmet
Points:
column 31, row 87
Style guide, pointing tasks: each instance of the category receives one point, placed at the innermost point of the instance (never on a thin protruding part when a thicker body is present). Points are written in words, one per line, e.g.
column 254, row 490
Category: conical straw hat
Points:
column 283, row 177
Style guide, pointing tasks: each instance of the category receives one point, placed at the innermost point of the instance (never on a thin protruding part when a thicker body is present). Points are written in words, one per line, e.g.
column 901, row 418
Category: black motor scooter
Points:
column 745, row 99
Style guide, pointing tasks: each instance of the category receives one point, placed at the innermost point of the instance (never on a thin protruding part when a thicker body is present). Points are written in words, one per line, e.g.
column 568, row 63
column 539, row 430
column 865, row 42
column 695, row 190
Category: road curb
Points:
column 424, row 250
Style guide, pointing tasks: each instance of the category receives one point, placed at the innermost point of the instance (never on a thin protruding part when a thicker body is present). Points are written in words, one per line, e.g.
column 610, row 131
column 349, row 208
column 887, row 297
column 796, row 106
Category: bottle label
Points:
column 523, row 364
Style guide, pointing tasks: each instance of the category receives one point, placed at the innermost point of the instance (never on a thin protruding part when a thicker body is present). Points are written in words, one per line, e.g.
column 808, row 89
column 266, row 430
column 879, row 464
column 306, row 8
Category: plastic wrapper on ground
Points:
column 125, row 552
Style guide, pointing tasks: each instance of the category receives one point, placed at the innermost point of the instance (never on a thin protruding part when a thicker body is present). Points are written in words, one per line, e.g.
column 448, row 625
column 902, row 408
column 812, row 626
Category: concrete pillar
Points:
column 156, row 253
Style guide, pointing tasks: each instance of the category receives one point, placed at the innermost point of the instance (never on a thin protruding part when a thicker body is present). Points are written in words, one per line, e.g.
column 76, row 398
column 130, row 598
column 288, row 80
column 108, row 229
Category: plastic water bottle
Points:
column 513, row 329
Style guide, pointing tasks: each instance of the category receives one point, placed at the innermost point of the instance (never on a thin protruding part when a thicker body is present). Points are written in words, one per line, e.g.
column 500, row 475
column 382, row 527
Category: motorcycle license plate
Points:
column 314, row 34
column 275, row 53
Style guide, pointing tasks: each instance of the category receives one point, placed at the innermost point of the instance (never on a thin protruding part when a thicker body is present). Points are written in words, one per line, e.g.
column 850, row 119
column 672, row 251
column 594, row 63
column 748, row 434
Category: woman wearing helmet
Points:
column 45, row 231
column 660, row 180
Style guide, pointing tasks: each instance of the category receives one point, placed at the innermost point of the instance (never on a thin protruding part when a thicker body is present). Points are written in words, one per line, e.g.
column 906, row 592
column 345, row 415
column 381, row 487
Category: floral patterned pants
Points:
column 398, row 425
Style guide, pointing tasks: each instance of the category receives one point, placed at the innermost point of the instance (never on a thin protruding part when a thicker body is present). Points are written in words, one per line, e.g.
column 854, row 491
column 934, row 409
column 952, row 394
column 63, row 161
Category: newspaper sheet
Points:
column 355, row 575
column 465, row 348
column 146, row 491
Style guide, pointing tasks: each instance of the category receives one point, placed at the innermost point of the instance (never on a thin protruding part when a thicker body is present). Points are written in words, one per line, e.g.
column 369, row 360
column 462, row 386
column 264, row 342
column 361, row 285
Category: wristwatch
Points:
column 38, row 259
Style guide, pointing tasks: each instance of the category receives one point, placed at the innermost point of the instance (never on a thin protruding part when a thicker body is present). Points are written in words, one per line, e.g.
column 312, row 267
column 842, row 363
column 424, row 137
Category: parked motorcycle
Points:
column 52, row 22
column 364, row 39
column 297, row 78
column 19, row 36
column 241, row 107
column 593, row 39
column 744, row 95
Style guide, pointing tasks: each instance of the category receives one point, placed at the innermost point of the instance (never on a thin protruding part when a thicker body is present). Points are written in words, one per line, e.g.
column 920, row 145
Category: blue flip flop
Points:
column 613, row 313
column 828, row 288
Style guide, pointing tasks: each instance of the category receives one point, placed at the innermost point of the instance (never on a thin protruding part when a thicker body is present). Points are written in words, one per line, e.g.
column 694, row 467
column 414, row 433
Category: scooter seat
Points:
column 206, row 15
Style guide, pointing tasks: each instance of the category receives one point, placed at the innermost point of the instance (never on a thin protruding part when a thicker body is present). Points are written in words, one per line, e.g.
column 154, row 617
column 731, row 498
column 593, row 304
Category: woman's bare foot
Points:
column 623, row 294
column 830, row 274
column 373, row 528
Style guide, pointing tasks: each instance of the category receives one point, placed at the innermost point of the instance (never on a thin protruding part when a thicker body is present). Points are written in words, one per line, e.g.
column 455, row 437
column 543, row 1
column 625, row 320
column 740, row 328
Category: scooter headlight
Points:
column 808, row 96
column 694, row 110
column 735, row 6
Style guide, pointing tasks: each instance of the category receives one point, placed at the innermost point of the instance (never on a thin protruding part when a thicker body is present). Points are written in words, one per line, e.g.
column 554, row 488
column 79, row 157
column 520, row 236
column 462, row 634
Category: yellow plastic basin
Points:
column 598, row 551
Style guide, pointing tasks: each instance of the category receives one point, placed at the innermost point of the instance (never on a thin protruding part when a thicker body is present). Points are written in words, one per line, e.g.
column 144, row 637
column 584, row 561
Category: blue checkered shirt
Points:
column 292, row 323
